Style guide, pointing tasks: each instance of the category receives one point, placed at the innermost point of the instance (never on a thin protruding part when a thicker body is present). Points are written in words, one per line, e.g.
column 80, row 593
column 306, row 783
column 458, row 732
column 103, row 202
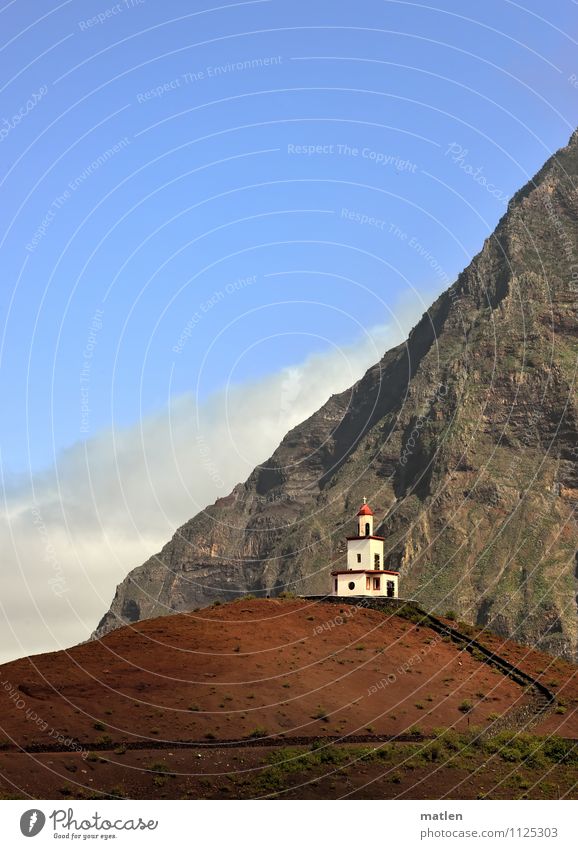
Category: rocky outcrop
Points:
column 463, row 438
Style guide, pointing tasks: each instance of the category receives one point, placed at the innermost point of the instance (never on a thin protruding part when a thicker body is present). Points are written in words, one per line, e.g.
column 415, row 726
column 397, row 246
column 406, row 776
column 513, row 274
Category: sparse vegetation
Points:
column 258, row 732
column 321, row 713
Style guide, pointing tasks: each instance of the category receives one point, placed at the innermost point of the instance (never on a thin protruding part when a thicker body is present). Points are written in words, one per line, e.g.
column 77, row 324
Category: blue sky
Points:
column 213, row 219
column 207, row 187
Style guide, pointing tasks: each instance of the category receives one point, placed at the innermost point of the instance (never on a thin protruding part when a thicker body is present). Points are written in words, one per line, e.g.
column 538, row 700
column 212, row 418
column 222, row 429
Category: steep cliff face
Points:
column 463, row 438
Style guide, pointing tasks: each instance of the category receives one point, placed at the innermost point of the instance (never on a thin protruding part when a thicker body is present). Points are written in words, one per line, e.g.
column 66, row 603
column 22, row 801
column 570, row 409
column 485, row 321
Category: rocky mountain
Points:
column 463, row 439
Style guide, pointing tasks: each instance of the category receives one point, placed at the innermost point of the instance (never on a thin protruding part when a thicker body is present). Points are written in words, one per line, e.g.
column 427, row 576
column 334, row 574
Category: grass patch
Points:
column 321, row 713
column 258, row 732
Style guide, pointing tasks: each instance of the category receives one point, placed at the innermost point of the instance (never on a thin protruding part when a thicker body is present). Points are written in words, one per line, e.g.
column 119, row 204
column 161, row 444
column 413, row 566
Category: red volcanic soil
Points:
column 291, row 667
column 560, row 676
column 245, row 671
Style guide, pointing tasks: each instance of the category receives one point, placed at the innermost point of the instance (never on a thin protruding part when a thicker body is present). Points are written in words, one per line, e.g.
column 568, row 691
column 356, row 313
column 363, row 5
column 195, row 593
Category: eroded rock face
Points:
column 463, row 438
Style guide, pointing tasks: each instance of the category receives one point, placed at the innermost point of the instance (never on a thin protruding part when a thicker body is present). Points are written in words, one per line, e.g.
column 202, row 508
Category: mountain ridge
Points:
column 463, row 438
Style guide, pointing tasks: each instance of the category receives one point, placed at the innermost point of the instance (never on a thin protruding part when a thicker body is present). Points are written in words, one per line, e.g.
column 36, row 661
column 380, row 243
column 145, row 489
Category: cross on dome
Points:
column 365, row 509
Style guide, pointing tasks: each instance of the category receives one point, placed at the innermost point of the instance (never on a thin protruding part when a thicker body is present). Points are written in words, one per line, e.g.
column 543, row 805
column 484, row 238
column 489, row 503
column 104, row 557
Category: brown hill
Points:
column 464, row 439
column 257, row 672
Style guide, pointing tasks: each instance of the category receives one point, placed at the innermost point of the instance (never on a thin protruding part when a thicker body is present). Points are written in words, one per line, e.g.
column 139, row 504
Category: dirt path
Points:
column 521, row 718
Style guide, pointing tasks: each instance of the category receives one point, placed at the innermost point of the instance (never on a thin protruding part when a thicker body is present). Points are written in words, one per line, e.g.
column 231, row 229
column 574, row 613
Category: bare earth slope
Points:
column 464, row 439
column 111, row 717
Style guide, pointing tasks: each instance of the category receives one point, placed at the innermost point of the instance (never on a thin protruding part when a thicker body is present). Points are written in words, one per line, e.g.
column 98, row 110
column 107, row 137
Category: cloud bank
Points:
column 70, row 534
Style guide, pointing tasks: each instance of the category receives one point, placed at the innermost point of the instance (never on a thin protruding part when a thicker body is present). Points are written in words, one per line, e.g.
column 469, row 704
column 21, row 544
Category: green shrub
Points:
column 433, row 751
column 558, row 750
column 258, row 732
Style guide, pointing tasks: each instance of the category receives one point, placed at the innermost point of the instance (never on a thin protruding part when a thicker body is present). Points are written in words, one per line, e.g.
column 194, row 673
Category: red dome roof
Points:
column 365, row 510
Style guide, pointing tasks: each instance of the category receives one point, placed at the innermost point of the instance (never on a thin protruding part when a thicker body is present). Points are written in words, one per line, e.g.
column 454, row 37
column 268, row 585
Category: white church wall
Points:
column 356, row 584
column 367, row 549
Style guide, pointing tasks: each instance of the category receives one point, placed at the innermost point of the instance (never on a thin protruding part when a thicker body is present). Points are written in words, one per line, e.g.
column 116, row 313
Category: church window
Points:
column 367, row 529
column 376, row 561
column 359, row 558
column 376, row 583
column 351, row 585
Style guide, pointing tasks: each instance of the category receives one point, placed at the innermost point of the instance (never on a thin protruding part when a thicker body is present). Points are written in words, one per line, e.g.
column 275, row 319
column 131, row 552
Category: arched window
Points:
column 367, row 529
column 376, row 561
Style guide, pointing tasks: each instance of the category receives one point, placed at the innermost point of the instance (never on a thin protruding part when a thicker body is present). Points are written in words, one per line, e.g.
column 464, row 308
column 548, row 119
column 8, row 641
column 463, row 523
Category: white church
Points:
column 365, row 575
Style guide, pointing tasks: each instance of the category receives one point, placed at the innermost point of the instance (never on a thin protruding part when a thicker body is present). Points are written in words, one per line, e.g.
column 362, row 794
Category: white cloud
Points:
column 70, row 534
